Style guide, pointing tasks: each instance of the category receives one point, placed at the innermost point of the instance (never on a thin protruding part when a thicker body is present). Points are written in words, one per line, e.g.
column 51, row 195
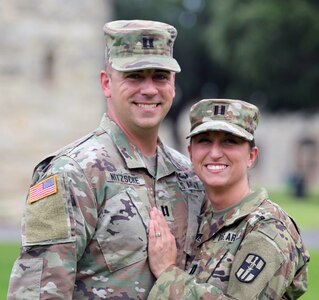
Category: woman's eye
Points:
column 230, row 141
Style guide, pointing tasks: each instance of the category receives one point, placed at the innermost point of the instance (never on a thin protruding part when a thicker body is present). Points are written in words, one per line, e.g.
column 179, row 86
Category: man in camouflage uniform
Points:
column 246, row 249
column 85, row 225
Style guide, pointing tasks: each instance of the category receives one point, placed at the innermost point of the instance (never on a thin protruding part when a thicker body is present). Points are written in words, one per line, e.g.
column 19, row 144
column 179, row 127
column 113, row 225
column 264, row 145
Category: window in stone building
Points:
column 48, row 66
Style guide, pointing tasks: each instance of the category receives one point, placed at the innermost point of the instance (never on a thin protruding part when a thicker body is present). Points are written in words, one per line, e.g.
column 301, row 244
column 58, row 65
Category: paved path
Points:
column 12, row 234
column 311, row 238
column 9, row 233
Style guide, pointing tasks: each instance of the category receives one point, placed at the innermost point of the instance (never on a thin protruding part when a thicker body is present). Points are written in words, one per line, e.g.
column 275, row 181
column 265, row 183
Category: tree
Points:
column 265, row 52
column 269, row 48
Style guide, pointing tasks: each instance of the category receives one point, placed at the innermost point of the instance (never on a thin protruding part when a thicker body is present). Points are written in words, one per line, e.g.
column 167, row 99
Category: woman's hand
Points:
column 162, row 250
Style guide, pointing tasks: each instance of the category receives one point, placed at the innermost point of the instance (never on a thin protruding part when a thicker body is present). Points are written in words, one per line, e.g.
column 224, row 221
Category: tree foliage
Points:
column 265, row 52
column 270, row 48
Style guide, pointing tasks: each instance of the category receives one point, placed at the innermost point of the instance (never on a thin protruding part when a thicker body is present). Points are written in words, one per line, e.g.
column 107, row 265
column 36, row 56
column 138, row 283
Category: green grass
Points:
column 9, row 253
column 304, row 210
column 313, row 288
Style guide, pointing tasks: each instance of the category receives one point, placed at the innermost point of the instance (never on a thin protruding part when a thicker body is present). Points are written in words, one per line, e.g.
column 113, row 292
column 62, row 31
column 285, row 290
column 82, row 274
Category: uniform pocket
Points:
column 25, row 279
column 215, row 262
column 121, row 232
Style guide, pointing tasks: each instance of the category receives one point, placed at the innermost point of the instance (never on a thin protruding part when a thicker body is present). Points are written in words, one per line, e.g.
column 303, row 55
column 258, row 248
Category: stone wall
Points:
column 51, row 53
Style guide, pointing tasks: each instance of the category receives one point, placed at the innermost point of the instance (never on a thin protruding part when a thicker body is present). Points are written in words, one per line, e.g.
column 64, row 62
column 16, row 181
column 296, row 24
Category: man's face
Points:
column 138, row 100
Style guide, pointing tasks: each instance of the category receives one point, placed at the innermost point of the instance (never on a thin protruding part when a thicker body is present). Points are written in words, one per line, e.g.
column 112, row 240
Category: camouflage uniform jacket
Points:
column 84, row 234
column 250, row 251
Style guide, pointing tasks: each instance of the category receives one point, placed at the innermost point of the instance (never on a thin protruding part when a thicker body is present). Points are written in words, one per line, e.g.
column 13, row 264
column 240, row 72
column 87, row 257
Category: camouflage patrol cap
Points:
column 139, row 44
column 235, row 116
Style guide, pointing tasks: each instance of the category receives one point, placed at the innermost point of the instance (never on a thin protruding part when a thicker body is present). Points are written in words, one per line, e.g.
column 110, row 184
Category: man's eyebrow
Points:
column 142, row 71
column 162, row 71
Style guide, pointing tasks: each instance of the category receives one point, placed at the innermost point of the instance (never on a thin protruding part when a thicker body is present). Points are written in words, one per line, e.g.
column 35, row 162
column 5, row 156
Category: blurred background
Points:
column 264, row 52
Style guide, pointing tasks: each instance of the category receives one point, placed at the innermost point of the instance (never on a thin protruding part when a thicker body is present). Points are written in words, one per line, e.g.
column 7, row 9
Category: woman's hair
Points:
column 252, row 143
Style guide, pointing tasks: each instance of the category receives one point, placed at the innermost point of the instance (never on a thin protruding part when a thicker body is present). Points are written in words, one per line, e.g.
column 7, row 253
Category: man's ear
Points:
column 105, row 83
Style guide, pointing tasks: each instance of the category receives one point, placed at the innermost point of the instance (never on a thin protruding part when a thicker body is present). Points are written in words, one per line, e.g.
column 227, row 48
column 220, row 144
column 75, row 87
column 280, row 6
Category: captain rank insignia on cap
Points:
column 44, row 188
column 148, row 42
column 219, row 109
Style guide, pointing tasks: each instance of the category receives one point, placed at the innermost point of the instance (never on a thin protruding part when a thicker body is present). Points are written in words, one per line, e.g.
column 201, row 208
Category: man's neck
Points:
column 145, row 144
column 145, row 141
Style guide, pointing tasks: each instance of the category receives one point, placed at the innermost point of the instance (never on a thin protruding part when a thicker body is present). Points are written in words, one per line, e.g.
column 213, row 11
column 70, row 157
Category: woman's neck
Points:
column 224, row 197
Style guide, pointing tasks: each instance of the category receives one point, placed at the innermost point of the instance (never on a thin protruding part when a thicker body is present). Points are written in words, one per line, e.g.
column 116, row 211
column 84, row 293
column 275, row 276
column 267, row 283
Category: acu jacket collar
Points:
column 131, row 154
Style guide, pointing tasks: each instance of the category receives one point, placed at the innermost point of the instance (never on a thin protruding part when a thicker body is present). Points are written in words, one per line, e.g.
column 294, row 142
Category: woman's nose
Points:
column 215, row 150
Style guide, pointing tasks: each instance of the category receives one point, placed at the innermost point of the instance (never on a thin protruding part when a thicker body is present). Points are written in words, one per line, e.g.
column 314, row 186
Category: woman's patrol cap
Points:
column 139, row 44
column 235, row 116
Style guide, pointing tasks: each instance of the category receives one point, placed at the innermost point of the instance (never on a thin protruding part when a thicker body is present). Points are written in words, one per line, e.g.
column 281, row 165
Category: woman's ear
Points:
column 252, row 156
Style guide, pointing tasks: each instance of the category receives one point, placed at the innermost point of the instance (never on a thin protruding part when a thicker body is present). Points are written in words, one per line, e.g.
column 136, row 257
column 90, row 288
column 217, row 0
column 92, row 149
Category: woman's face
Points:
column 221, row 159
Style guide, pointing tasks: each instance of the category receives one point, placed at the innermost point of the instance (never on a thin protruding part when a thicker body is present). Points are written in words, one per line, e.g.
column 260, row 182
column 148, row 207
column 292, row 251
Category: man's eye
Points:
column 133, row 75
column 161, row 76
column 202, row 140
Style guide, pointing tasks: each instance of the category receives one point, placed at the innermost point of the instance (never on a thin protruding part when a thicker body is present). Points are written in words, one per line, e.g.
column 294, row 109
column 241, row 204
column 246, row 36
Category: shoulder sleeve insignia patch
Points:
column 43, row 189
column 250, row 268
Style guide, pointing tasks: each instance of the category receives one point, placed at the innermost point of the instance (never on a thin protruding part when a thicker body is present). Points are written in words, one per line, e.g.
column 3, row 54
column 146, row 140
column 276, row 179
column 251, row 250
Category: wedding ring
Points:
column 157, row 234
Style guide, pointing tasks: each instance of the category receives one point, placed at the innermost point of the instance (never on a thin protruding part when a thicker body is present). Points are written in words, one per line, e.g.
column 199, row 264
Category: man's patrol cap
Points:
column 235, row 116
column 139, row 44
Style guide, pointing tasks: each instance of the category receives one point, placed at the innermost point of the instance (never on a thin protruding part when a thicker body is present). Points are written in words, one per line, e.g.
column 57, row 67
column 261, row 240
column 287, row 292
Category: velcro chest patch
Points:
column 47, row 220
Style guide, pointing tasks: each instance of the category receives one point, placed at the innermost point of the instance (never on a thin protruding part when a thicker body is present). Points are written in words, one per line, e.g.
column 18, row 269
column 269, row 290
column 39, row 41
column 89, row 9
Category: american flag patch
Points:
column 43, row 189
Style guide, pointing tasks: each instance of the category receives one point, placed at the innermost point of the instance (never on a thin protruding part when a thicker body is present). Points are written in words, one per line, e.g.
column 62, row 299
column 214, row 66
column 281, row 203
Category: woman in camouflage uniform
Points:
column 246, row 247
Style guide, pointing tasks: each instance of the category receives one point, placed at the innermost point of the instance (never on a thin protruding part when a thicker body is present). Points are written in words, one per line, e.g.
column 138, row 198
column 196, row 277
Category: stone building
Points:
column 51, row 54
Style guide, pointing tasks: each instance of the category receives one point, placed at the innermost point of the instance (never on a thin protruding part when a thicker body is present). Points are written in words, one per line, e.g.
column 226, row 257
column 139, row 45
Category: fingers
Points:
column 157, row 216
column 151, row 229
column 161, row 248
column 159, row 228
column 155, row 233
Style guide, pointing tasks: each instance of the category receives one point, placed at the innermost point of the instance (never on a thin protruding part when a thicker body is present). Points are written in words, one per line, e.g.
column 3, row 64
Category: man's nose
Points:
column 148, row 87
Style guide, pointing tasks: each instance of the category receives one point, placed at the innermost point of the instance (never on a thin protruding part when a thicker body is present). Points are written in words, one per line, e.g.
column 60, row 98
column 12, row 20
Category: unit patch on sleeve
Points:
column 250, row 268
column 43, row 189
